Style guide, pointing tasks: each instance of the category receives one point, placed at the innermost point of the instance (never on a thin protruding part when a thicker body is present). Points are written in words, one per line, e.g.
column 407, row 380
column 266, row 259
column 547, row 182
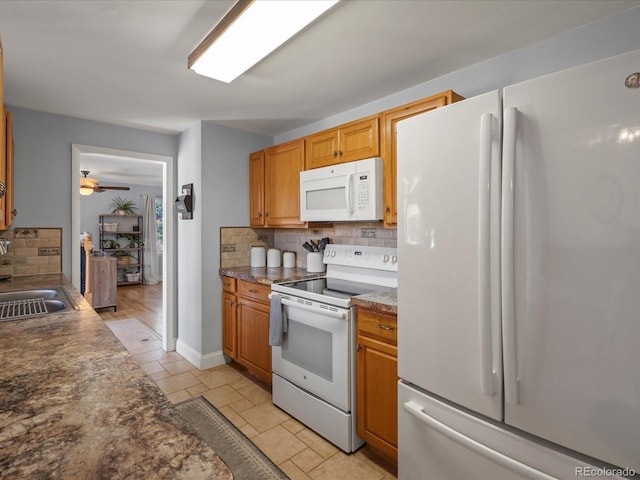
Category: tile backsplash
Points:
column 236, row 242
column 32, row 251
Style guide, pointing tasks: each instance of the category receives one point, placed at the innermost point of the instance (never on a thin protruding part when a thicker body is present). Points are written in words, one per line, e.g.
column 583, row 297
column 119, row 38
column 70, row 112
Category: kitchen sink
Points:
column 32, row 303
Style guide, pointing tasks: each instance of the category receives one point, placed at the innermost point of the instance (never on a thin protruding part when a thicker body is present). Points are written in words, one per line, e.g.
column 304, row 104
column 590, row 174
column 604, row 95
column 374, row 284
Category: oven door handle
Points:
column 309, row 308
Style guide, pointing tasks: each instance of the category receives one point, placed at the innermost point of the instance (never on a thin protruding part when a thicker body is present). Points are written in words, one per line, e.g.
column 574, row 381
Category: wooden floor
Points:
column 143, row 302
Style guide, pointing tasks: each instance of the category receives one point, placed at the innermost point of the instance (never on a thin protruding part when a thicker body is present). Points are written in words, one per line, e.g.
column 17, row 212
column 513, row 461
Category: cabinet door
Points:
column 359, row 140
column 376, row 381
column 389, row 120
column 229, row 324
column 254, row 351
column 321, row 149
column 3, row 165
column 8, row 205
column 256, row 189
column 103, row 282
column 283, row 164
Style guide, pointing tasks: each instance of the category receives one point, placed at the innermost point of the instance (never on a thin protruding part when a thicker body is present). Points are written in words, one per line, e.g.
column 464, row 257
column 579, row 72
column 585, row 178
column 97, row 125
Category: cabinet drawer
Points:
column 377, row 324
column 229, row 284
column 256, row 291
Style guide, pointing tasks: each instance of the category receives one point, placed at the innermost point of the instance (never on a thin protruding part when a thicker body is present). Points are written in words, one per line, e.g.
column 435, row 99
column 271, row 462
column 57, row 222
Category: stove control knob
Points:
column 385, row 258
column 394, row 259
column 333, row 253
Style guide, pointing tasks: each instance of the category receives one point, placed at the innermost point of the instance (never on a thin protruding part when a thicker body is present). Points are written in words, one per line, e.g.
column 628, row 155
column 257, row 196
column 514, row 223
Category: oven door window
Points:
column 315, row 355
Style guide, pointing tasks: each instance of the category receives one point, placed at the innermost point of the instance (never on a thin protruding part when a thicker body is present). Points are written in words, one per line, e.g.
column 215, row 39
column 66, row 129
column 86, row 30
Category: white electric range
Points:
column 314, row 367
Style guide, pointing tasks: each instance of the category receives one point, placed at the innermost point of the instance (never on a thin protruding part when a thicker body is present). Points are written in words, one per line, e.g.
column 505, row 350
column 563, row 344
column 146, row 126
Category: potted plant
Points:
column 110, row 243
column 122, row 258
column 122, row 206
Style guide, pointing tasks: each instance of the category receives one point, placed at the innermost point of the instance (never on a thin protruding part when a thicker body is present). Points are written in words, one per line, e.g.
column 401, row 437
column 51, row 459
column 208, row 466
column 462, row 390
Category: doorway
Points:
column 166, row 164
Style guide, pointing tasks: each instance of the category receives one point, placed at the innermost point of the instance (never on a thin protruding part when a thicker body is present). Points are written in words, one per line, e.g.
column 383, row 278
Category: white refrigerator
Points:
column 519, row 281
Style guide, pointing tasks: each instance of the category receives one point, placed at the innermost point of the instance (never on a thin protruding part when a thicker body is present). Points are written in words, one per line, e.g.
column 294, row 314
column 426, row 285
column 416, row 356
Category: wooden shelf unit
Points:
column 124, row 229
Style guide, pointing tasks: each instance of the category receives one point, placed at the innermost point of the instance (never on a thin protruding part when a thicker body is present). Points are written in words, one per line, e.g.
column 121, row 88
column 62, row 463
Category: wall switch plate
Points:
column 368, row 232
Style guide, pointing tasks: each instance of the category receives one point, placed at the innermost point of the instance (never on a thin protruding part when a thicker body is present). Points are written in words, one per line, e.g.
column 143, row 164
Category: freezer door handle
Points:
column 484, row 257
column 508, row 275
column 493, row 455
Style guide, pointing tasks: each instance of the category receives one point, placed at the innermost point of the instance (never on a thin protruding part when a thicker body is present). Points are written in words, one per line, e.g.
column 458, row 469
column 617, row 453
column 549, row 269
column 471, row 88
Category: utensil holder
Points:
column 314, row 262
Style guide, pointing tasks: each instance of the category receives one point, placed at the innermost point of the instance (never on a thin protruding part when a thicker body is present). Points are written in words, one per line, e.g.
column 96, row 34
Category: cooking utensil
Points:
column 307, row 246
column 316, row 248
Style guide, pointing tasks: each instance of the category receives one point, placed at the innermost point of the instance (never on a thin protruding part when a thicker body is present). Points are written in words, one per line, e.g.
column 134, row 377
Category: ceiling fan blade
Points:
column 106, row 187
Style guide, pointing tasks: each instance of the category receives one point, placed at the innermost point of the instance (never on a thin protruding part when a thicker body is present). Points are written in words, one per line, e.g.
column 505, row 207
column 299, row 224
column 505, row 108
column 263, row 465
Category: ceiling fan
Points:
column 89, row 185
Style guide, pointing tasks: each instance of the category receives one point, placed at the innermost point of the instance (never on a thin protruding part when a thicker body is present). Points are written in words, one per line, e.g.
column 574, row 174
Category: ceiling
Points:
column 125, row 62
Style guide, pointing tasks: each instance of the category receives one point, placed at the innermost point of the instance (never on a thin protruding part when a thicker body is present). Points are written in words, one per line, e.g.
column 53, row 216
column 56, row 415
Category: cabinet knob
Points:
column 388, row 209
column 358, row 347
column 14, row 212
column 260, row 215
column 253, row 291
column 335, row 154
column 339, row 153
column 266, row 214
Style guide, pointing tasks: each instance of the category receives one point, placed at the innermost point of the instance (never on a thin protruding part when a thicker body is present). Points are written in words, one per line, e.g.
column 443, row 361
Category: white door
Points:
column 576, row 263
column 448, row 251
column 315, row 351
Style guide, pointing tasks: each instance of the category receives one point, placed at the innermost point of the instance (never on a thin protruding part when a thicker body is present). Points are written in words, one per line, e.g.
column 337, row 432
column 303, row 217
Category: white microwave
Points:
column 344, row 192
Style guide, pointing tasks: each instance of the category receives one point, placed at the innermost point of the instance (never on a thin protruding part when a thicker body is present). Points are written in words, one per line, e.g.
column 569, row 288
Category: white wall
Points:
column 189, row 245
column 43, row 165
column 215, row 160
column 600, row 39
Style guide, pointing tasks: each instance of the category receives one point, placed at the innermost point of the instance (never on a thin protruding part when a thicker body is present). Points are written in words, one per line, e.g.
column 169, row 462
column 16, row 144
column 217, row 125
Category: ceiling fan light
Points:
column 86, row 190
column 247, row 37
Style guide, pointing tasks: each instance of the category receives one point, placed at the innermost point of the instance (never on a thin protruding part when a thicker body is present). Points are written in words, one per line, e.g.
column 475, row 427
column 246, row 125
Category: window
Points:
column 159, row 208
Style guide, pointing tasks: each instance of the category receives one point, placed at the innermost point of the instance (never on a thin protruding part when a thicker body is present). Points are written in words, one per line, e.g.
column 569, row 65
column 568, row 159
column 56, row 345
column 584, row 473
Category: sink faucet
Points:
column 4, row 246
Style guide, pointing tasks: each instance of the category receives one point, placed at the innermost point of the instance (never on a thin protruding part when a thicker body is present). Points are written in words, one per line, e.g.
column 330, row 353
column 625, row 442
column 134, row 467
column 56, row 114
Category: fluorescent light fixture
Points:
column 251, row 31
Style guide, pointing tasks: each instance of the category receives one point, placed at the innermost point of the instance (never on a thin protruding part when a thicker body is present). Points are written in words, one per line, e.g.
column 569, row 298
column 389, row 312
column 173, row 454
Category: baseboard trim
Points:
column 201, row 362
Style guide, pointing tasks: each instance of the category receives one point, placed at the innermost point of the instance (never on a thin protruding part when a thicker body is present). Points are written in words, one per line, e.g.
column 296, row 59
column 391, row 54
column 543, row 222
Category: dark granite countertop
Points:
column 75, row 405
column 384, row 300
column 268, row 275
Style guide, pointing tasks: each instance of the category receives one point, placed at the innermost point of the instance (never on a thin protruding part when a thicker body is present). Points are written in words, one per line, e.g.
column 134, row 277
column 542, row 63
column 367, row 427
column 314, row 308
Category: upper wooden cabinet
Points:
column 275, row 185
column 348, row 142
column 388, row 145
column 256, row 189
column 7, row 210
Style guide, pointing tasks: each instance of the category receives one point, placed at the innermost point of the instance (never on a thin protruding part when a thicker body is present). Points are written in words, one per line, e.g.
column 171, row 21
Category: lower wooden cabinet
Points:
column 377, row 381
column 245, row 325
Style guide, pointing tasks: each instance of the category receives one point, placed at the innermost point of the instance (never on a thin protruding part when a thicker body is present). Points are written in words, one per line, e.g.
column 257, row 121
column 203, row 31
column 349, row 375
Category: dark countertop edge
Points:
column 268, row 276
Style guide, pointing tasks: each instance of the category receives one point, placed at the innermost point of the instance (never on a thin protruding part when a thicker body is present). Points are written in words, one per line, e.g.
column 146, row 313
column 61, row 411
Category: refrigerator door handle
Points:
column 484, row 257
column 508, row 275
column 497, row 457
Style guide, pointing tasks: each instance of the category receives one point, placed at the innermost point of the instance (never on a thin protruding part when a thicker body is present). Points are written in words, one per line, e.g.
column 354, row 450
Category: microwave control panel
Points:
column 363, row 191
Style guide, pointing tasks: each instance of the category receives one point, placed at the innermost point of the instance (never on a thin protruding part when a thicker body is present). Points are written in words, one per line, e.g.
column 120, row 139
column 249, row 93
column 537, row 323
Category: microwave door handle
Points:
column 348, row 194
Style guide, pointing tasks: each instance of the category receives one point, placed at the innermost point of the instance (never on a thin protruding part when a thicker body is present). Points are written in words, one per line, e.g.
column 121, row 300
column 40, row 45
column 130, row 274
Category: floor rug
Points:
column 244, row 459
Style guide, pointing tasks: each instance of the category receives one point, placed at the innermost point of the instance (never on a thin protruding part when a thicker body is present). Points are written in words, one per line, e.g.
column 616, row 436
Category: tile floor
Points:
column 298, row 451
